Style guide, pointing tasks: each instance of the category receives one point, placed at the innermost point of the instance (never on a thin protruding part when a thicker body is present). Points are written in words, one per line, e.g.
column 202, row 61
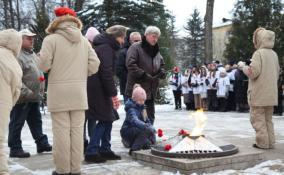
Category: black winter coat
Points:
column 121, row 69
column 101, row 86
column 240, row 87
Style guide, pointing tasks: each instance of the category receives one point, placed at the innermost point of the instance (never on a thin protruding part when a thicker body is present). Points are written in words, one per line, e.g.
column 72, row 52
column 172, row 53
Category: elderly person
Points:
column 263, row 70
column 28, row 105
column 10, row 84
column 146, row 66
column 121, row 69
column 102, row 95
column 68, row 58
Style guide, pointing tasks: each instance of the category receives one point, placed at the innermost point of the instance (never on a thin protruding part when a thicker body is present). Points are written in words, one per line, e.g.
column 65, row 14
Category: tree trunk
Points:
column 6, row 16
column 11, row 14
column 18, row 15
column 208, row 30
column 79, row 5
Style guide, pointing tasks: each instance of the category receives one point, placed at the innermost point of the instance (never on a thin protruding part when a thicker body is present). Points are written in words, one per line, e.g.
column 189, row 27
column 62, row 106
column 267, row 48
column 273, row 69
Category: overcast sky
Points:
column 182, row 9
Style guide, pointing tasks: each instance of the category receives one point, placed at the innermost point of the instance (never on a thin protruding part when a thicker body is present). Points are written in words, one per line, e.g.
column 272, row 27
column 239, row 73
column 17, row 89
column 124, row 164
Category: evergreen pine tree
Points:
column 41, row 22
column 248, row 16
column 194, row 40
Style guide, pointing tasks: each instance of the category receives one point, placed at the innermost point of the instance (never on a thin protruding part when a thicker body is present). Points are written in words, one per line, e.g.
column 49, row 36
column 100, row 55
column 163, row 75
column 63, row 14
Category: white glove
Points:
column 241, row 65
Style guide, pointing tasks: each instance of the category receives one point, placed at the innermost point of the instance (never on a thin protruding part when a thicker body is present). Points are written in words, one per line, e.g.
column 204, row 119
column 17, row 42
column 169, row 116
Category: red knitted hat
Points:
column 61, row 11
column 176, row 69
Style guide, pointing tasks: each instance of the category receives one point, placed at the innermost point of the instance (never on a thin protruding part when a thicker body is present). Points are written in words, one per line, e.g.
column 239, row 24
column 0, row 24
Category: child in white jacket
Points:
column 175, row 84
column 223, row 85
column 195, row 83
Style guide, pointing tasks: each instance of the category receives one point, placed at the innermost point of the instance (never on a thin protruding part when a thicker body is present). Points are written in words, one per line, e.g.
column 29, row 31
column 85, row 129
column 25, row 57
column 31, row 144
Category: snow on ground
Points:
column 271, row 167
column 225, row 127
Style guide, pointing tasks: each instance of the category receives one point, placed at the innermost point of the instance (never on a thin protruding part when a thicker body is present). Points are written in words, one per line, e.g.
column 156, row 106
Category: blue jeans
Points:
column 90, row 124
column 20, row 113
column 100, row 140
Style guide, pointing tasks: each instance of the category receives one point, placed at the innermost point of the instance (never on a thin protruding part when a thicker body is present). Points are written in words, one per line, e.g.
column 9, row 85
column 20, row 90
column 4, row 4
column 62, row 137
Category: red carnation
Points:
column 41, row 78
column 182, row 132
column 160, row 133
column 168, row 147
column 61, row 11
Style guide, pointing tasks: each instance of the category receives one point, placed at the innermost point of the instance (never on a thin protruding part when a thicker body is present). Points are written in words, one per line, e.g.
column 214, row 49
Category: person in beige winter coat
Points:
column 263, row 73
column 68, row 58
column 10, row 84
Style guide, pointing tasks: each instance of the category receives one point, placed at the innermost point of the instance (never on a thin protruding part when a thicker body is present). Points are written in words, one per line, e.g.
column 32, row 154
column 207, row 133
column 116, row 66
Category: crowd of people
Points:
column 214, row 87
column 211, row 87
column 82, row 92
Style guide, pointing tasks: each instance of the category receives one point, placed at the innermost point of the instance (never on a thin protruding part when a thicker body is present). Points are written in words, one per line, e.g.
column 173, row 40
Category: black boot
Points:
column 44, row 148
column 55, row 173
column 110, row 156
column 94, row 158
column 19, row 154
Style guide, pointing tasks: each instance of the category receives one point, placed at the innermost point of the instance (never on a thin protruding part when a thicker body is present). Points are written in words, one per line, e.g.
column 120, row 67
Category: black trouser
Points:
column 279, row 108
column 20, row 113
column 222, row 101
column 212, row 100
column 231, row 102
column 150, row 108
column 191, row 100
column 177, row 95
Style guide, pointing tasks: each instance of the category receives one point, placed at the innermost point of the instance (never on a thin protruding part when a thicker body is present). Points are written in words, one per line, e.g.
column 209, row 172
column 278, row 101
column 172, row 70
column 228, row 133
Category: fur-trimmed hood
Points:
column 11, row 40
column 67, row 26
column 263, row 38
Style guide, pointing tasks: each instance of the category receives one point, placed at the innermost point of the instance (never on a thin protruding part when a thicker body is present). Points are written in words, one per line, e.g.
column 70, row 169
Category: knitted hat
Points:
column 91, row 33
column 61, row 11
column 176, row 69
column 138, row 93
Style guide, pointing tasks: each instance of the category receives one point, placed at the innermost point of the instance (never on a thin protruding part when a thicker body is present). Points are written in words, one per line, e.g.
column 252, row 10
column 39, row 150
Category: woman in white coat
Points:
column 10, row 84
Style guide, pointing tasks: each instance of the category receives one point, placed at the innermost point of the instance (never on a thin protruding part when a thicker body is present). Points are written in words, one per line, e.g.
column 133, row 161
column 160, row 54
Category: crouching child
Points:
column 137, row 131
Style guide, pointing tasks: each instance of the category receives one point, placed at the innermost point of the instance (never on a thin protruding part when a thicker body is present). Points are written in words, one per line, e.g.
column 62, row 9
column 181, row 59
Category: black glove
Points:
column 161, row 74
column 248, row 62
column 207, row 82
column 147, row 76
column 201, row 84
column 214, row 84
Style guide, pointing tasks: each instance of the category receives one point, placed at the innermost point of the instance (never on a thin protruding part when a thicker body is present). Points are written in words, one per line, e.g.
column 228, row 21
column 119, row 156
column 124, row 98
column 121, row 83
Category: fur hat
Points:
column 62, row 11
column 138, row 93
column 91, row 33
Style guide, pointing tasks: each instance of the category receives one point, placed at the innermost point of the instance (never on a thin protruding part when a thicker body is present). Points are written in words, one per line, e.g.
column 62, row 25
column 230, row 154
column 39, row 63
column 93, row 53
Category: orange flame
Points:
column 200, row 122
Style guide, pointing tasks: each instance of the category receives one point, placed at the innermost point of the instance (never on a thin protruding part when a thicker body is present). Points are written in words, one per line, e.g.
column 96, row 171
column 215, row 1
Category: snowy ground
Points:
column 225, row 127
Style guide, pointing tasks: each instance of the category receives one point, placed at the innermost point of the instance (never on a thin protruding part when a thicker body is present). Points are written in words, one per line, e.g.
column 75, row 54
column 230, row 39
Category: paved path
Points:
column 225, row 127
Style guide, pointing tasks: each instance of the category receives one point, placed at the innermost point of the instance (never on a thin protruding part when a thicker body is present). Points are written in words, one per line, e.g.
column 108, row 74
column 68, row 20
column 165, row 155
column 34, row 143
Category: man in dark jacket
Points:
column 102, row 95
column 121, row 69
column 27, row 107
column 146, row 66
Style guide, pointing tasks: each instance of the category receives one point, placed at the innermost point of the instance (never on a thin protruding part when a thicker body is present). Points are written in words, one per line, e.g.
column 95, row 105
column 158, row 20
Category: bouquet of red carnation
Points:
column 160, row 133
column 41, row 78
column 182, row 132
column 168, row 147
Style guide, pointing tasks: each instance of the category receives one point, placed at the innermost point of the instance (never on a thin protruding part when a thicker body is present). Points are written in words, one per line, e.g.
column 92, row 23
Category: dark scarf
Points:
column 149, row 49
